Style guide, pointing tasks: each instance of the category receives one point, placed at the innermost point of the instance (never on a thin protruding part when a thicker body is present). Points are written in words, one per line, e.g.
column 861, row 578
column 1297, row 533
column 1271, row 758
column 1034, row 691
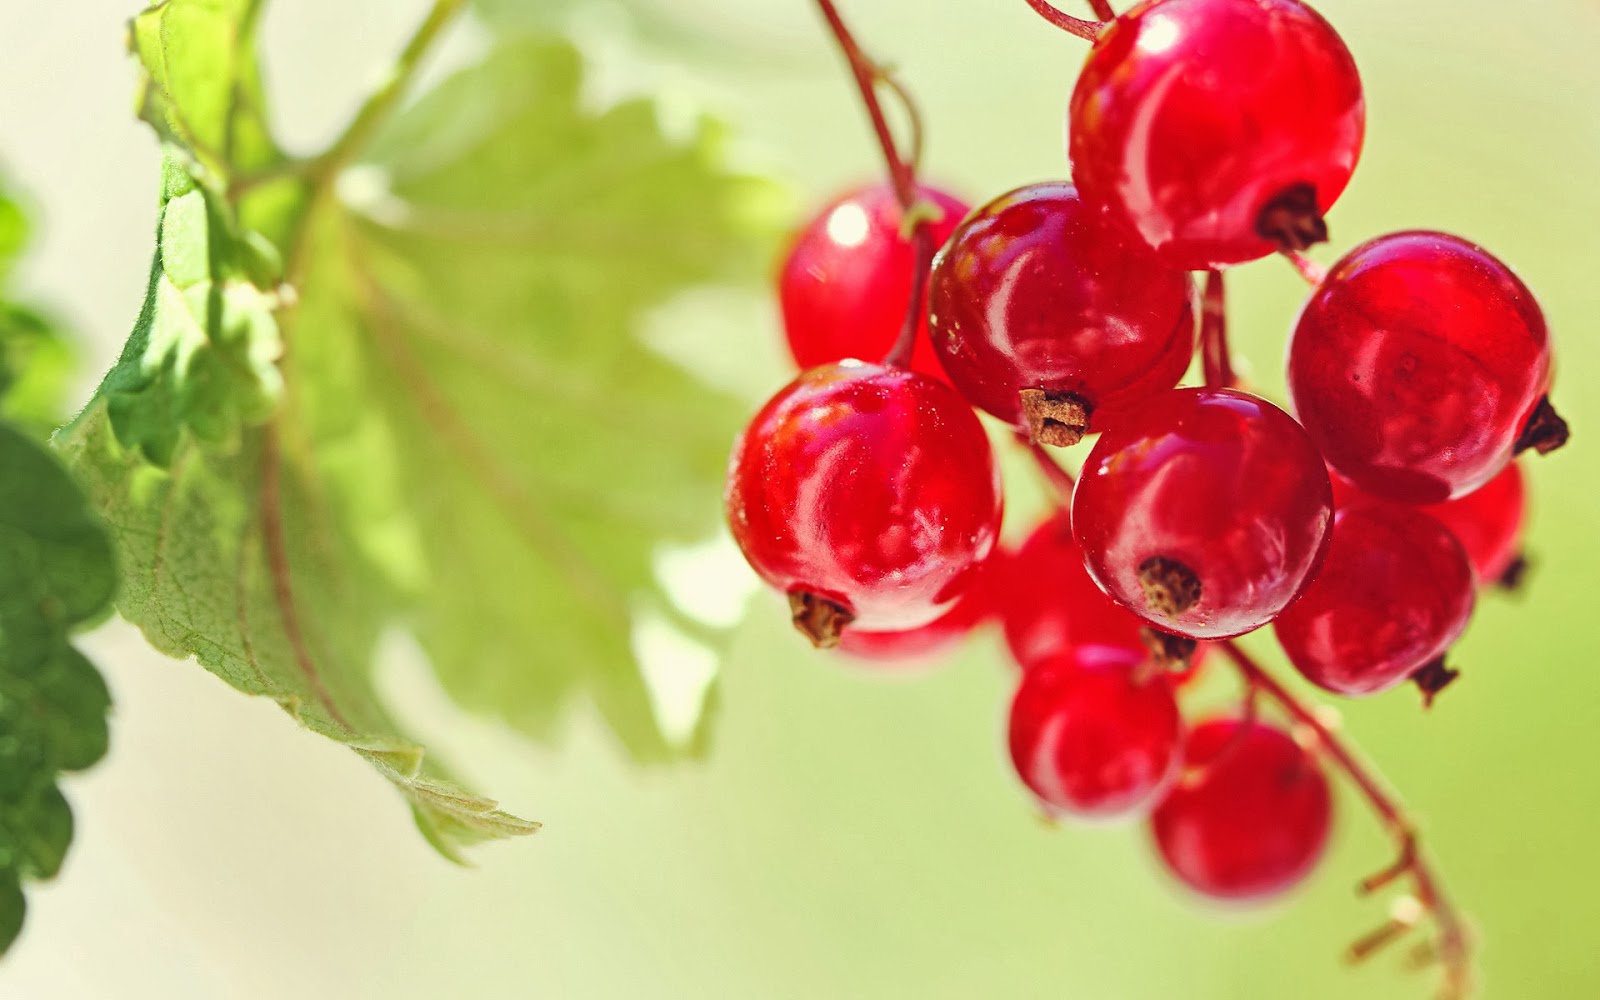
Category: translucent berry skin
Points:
column 1047, row 602
column 1218, row 481
column 1393, row 593
column 1191, row 116
column 1038, row 290
column 871, row 487
column 893, row 648
column 1249, row 818
column 1488, row 522
column 846, row 283
column 1415, row 365
column 1094, row 733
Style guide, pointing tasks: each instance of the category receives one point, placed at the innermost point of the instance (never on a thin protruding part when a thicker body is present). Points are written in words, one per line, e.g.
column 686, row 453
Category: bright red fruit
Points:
column 1047, row 602
column 865, row 493
column 975, row 604
column 1095, row 731
column 1250, row 816
column 1038, row 291
column 1219, row 130
column 1416, row 364
column 1393, row 593
column 846, row 284
column 1488, row 522
column 1206, row 515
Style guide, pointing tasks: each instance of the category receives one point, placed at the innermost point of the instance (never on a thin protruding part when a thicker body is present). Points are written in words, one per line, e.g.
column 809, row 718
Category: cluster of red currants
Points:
column 1203, row 134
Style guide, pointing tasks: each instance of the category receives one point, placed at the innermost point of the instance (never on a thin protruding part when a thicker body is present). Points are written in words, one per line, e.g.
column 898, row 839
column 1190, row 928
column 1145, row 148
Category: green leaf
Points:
column 202, row 356
column 36, row 362
column 57, row 574
column 465, row 438
column 202, row 86
column 501, row 250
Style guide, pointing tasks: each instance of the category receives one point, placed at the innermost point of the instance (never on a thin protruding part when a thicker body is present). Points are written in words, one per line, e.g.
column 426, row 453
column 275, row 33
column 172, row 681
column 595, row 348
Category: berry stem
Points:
column 1054, row 472
column 1088, row 30
column 1214, row 357
column 1451, row 945
column 1102, row 9
column 1309, row 269
column 902, row 169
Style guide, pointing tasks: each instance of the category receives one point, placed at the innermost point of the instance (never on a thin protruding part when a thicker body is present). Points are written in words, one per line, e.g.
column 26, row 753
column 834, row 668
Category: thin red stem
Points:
column 1214, row 356
column 1054, row 472
column 902, row 171
column 1452, row 944
column 1089, row 30
column 1309, row 269
column 1102, row 9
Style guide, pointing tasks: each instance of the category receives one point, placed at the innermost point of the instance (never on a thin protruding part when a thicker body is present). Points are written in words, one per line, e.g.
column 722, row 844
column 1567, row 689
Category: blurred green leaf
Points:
column 36, row 361
column 439, row 419
column 56, row 575
column 502, row 247
column 202, row 85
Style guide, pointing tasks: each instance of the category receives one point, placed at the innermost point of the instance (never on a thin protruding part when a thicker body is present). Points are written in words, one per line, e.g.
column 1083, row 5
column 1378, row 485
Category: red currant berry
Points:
column 1220, row 130
column 1047, row 601
column 865, row 493
column 1249, row 817
column 1393, row 593
column 1047, row 316
column 1095, row 731
column 1417, row 364
column 1205, row 515
column 846, row 283
column 1488, row 523
column 970, row 610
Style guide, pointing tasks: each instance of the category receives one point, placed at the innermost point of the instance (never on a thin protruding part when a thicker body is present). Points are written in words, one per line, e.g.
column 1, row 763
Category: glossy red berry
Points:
column 846, row 283
column 1249, row 817
column 1048, row 316
column 865, row 493
column 1206, row 515
column 1219, row 130
column 1488, row 523
column 1416, row 364
column 1047, row 602
column 1393, row 593
column 1095, row 732
column 970, row 610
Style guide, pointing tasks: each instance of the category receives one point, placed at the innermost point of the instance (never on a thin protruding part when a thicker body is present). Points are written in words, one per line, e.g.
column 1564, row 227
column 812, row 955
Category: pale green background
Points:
column 851, row 836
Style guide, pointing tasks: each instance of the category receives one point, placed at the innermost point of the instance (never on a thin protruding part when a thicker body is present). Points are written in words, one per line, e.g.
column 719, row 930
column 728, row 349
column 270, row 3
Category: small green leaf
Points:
column 56, row 575
column 36, row 362
column 202, row 356
column 202, row 86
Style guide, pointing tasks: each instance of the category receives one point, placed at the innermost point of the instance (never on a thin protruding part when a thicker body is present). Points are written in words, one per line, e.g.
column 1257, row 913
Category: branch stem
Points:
column 1451, row 943
column 1214, row 357
column 1054, row 472
column 381, row 103
column 902, row 168
column 1309, row 269
column 1087, row 30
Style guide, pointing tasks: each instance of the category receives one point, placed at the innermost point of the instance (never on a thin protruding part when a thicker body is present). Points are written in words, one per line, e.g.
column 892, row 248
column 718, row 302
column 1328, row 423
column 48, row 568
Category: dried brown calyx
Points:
column 1292, row 220
column 1544, row 432
column 1170, row 587
column 1511, row 577
column 1171, row 652
column 818, row 618
column 1060, row 419
column 1433, row 677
